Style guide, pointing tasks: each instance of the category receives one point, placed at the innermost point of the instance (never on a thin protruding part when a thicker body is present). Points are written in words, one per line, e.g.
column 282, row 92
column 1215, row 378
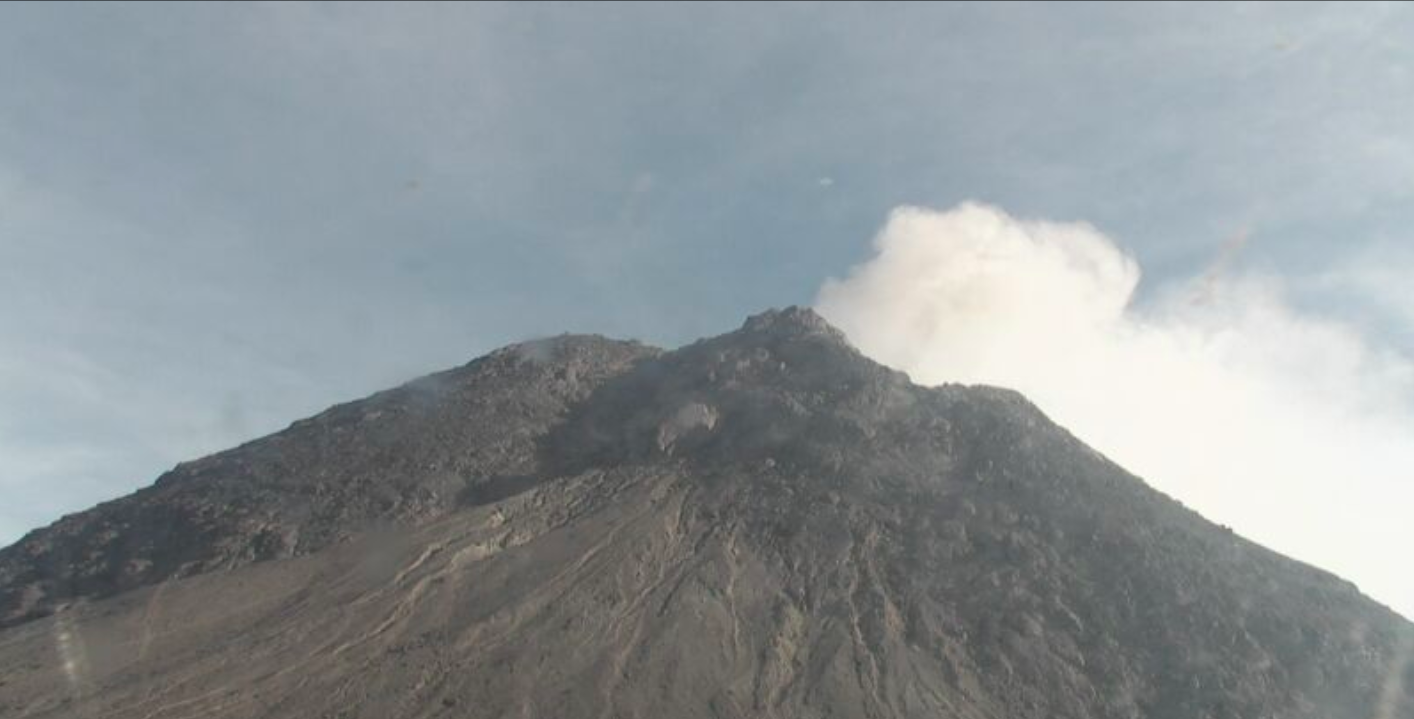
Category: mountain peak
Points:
column 763, row 522
column 793, row 321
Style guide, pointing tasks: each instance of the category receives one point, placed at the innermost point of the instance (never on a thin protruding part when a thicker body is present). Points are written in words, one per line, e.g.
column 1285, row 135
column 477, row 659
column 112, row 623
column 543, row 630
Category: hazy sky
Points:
column 216, row 219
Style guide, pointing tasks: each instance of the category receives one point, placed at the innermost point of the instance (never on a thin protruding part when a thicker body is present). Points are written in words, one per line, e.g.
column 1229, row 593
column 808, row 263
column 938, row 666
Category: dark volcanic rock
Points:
column 402, row 456
column 764, row 523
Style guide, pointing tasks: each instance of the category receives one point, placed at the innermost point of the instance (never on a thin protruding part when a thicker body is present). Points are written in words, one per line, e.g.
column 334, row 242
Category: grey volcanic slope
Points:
column 764, row 523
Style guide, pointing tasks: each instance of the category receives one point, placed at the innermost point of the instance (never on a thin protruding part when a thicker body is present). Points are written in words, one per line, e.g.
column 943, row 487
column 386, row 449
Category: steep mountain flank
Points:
column 764, row 523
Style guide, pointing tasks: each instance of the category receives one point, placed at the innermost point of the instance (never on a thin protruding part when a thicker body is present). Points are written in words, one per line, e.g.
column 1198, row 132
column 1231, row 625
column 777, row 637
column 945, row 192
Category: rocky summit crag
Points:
column 761, row 524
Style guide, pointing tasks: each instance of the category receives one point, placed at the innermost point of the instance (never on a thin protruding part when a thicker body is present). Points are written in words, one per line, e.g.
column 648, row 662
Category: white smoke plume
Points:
column 1294, row 429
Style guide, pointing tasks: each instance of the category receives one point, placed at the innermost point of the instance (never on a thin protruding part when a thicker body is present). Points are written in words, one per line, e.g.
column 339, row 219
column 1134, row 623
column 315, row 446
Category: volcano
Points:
column 760, row 524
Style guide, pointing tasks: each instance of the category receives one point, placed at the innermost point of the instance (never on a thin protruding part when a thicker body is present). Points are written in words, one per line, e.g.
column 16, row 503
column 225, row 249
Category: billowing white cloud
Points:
column 1294, row 429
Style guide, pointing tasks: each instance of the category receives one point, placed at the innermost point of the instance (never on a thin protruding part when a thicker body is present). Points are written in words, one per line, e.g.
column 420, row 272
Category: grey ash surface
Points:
column 764, row 523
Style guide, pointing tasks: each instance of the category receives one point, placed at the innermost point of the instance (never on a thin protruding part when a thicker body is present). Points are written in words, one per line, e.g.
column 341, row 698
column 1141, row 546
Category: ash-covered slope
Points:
column 764, row 523
column 402, row 456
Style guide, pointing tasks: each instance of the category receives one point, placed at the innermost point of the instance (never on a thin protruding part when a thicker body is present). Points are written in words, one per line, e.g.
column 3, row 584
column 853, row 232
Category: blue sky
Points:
column 217, row 218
